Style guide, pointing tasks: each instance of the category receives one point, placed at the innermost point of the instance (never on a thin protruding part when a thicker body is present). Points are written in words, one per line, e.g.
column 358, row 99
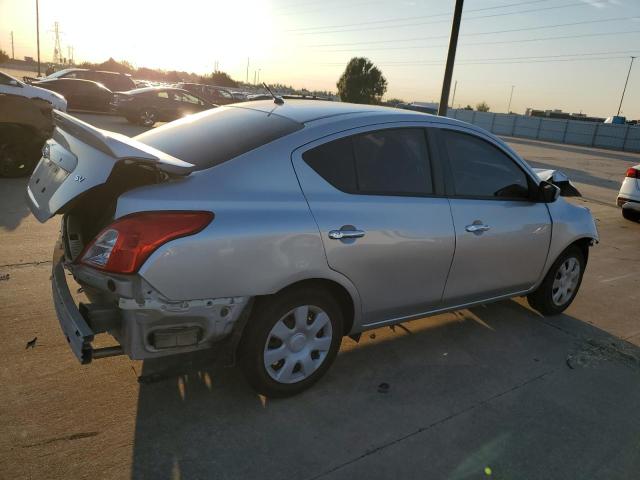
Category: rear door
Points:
column 502, row 235
column 385, row 224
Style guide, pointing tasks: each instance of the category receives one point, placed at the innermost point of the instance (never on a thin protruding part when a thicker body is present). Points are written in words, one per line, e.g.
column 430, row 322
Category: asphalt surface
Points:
column 492, row 392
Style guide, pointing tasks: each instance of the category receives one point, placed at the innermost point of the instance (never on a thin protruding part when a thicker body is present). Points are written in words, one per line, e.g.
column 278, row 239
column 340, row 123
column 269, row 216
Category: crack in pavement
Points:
column 26, row 264
column 432, row 425
column 74, row 436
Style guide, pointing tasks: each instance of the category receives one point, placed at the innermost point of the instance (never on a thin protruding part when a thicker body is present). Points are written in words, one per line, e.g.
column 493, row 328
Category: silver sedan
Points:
column 271, row 230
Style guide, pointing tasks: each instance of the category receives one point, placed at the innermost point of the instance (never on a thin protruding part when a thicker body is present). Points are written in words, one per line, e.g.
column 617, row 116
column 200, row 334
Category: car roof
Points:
column 305, row 111
column 67, row 80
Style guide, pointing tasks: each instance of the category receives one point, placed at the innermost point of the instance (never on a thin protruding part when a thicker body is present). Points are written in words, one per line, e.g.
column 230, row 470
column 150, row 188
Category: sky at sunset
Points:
column 568, row 54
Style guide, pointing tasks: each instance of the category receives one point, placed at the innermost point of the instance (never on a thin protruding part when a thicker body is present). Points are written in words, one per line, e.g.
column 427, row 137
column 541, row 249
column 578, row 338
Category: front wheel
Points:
column 147, row 117
column 290, row 341
column 561, row 284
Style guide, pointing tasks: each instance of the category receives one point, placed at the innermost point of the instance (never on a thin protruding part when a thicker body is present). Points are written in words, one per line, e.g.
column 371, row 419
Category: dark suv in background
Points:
column 114, row 81
column 80, row 94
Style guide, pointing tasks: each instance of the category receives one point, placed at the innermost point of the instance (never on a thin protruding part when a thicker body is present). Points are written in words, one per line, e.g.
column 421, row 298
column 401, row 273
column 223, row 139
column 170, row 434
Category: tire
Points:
column 284, row 326
column 17, row 159
column 561, row 284
column 631, row 215
column 147, row 117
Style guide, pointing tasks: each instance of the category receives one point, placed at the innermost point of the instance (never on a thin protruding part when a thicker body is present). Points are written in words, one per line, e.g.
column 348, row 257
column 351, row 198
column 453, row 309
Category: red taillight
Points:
column 633, row 173
column 124, row 245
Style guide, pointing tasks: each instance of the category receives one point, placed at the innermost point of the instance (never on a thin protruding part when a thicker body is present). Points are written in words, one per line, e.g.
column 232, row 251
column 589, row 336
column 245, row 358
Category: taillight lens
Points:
column 126, row 244
column 633, row 173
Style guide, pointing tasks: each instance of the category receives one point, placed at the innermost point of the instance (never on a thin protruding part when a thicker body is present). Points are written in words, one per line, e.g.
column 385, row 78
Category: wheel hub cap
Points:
column 565, row 281
column 298, row 344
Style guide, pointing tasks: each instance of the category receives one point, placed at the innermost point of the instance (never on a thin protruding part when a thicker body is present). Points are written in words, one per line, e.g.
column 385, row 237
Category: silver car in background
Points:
column 277, row 229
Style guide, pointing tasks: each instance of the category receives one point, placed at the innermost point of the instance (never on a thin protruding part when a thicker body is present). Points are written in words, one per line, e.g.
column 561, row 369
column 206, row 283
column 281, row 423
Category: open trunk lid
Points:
column 81, row 157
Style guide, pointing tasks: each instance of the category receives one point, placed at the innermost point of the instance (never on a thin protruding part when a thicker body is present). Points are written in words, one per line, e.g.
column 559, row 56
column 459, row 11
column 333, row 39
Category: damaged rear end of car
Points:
column 82, row 175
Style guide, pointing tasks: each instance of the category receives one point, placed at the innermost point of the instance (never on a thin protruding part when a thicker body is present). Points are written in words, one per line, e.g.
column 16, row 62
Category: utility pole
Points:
column 453, row 99
column 451, row 57
column 255, row 72
column 259, row 75
column 38, row 33
column 247, row 80
column 625, row 84
column 12, row 53
column 510, row 97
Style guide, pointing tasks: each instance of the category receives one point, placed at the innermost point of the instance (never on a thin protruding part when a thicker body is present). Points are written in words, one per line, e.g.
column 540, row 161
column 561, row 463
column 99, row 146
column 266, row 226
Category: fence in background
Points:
column 574, row 132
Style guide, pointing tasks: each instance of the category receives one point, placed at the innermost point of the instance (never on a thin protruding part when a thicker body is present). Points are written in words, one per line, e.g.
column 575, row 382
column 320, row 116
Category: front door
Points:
column 502, row 234
column 383, row 222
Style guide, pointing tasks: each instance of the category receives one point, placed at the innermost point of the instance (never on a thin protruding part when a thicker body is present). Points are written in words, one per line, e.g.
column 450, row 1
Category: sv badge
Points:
column 79, row 178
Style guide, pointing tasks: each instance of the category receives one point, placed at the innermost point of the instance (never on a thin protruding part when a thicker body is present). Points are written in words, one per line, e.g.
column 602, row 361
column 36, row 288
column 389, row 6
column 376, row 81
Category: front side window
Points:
column 186, row 98
column 384, row 162
column 480, row 169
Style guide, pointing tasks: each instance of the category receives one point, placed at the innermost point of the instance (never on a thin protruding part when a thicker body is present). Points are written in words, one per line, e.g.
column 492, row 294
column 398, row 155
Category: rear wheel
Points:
column 561, row 284
column 291, row 341
column 632, row 215
column 147, row 117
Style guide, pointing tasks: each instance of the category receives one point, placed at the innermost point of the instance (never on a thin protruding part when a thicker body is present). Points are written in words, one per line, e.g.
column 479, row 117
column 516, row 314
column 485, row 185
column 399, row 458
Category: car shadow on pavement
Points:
column 458, row 389
column 13, row 209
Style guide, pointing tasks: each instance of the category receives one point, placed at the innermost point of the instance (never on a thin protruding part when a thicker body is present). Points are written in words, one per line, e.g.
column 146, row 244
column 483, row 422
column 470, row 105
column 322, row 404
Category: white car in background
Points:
column 13, row 86
column 629, row 195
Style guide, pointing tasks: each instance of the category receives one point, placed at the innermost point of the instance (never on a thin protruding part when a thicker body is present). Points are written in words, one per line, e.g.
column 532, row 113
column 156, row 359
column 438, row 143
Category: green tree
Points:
column 394, row 102
column 221, row 79
column 361, row 82
column 3, row 56
column 482, row 107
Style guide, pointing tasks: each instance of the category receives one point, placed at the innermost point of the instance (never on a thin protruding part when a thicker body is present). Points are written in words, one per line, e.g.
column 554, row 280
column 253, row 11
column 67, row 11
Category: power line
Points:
column 479, row 17
column 503, row 59
column 499, row 42
column 433, row 37
column 414, row 17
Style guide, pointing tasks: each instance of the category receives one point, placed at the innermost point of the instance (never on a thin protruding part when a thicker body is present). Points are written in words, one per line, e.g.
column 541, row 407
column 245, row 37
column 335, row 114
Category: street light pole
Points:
column 38, row 33
column 451, row 57
column 625, row 85
column 510, row 97
column 453, row 98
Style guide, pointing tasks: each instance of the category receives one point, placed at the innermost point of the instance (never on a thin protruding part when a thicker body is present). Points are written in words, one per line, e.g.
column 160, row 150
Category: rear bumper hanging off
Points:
column 74, row 326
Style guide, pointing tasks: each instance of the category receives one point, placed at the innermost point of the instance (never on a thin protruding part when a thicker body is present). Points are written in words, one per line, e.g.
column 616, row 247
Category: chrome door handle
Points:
column 342, row 234
column 477, row 228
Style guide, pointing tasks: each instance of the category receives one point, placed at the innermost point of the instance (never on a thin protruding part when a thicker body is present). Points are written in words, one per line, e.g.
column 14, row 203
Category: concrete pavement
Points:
column 492, row 392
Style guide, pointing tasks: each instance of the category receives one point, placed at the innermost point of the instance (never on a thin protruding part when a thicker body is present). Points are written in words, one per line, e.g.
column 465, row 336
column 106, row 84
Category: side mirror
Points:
column 548, row 192
column 14, row 83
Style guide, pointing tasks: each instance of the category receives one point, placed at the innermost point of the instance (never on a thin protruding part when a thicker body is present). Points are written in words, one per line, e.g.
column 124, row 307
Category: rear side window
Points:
column 217, row 135
column 481, row 170
column 384, row 162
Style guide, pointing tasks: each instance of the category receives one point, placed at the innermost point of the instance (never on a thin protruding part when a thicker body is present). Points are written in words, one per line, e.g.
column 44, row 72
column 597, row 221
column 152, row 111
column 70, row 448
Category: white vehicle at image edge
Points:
column 273, row 230
column 629, row 195
column 12, row 86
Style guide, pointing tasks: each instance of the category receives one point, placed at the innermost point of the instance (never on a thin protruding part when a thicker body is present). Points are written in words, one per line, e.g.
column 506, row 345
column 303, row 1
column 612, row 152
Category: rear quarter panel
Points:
column 262, row 239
